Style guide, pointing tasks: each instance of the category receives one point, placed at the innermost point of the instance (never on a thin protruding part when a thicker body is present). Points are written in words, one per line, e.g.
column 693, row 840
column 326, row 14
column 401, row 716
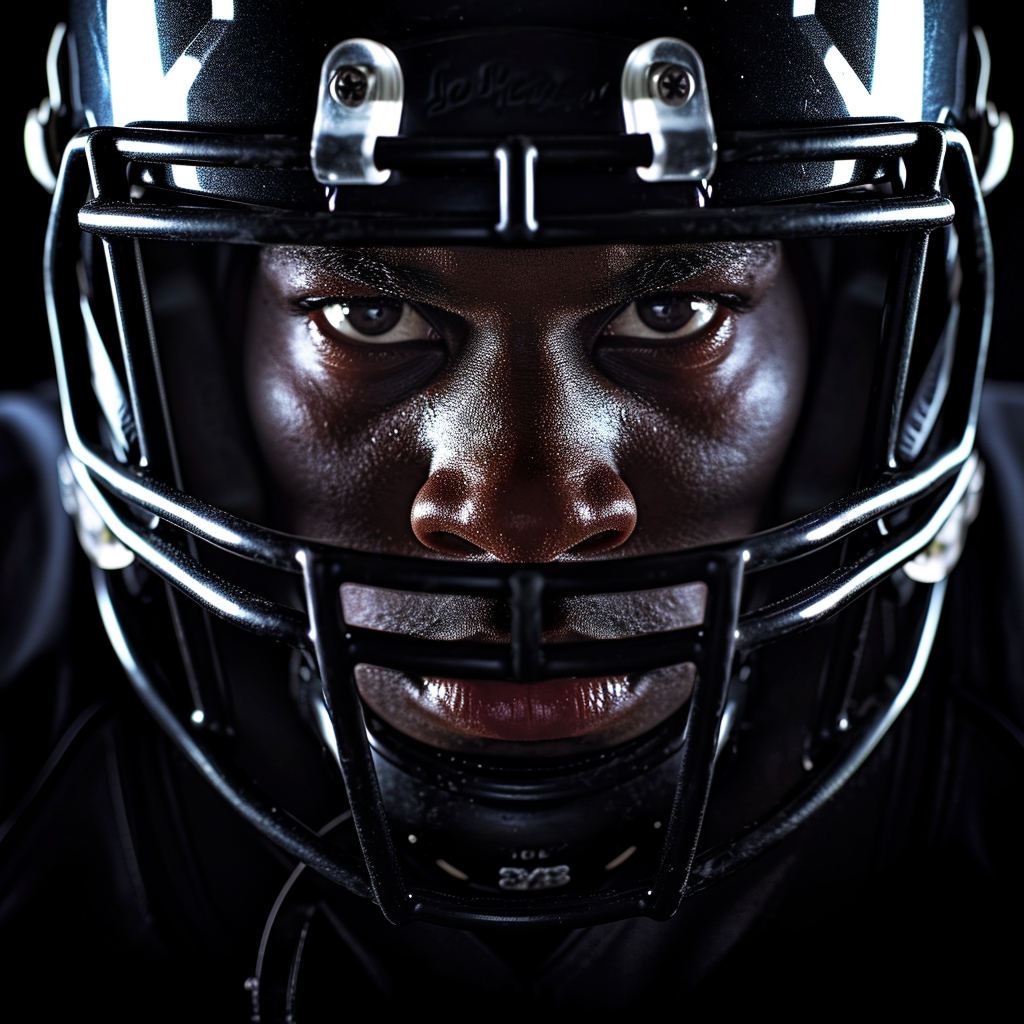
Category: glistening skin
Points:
column 524, row 406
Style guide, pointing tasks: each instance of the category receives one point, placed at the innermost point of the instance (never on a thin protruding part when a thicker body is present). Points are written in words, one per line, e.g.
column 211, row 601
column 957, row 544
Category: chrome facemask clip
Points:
column 940, row 557
column 100, row 545
column 665, row 95
column 361, row 95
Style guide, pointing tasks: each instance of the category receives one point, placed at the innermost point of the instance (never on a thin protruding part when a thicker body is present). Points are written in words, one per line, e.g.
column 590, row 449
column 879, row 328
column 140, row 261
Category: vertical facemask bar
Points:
column 700, row 741
column 337, row 673
column 899, row 321
column 924, row 172
column 193, row 628
column 838, row 676
column 155, row 437
column 62, row 294
column 133, row 321
column 898, row 335
column 516, row 162
column 976, row 294
column 526, row 589
column 957, row 409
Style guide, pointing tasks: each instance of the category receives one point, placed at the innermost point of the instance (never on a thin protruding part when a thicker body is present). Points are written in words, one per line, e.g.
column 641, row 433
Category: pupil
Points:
column 665, row 312
column 374, row 319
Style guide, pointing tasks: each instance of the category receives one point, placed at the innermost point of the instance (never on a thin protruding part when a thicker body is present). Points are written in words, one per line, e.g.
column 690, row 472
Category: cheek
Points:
column 765, row 389
column 340, row 470
column 282, row 390
column 716, row 441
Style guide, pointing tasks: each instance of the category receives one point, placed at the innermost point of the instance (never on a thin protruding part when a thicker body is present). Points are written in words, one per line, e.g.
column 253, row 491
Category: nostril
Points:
column 599, row 542
column 451, row 543
column 520, row 518
column 442, row 515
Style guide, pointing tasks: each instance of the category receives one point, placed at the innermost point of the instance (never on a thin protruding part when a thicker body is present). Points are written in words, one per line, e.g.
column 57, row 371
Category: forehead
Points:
column 581, row 275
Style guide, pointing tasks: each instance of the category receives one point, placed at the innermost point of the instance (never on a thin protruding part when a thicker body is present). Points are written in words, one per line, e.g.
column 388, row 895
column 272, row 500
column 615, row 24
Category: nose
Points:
column 515, row 515
column 523, row 453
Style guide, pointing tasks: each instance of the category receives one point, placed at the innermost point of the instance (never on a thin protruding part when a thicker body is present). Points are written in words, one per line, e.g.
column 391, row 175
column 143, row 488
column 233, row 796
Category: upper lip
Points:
column 443, row 712
column 591, row 617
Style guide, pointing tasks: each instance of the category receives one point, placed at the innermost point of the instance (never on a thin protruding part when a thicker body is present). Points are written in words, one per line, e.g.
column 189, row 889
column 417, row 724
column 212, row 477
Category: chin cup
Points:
column 506, row 827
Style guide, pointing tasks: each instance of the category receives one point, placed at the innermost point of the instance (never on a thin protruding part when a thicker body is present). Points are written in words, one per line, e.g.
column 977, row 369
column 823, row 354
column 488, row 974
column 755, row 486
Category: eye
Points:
column 664, row 316
column 375, row 321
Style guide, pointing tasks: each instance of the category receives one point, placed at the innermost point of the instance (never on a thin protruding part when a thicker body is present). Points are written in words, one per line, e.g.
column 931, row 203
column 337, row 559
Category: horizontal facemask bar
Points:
column 113, row 214
column 279, row 551
column 481, row 659
column 806, row 220
column 211, row 148
column 611, row 616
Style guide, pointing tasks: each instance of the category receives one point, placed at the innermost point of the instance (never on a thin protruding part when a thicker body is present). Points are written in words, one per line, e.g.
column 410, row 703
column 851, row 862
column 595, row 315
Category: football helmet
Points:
column 192, row 132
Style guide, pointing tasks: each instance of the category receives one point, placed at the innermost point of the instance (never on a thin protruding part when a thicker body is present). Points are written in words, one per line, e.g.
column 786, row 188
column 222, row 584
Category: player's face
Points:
column 524, row 406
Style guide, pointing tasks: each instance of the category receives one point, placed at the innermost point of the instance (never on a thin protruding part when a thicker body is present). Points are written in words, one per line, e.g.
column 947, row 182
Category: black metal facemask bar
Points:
column 339, row 647
column 112, row 213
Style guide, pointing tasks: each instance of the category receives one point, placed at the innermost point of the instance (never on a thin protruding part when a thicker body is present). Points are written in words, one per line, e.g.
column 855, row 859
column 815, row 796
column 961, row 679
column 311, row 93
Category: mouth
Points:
column 556, row 717
column 550, row 718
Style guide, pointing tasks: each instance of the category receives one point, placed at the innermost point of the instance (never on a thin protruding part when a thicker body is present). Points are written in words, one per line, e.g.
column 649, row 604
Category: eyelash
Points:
column 638, row 327
column 315, row 310
column 724, row 304
column 726, row 300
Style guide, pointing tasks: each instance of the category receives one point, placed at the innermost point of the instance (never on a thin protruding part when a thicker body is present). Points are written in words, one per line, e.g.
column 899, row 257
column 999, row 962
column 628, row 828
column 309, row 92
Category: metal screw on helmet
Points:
column 359, row 100
column 665, row 96
column 351, row 85
column 672, row 84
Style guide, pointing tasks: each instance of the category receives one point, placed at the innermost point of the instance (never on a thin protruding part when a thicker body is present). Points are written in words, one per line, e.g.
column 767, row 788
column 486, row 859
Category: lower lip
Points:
column 552, row 710
column 453, row 712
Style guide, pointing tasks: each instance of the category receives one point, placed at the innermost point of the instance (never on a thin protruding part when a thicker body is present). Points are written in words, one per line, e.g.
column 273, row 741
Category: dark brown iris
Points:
column 374, row 316
column 666, row 312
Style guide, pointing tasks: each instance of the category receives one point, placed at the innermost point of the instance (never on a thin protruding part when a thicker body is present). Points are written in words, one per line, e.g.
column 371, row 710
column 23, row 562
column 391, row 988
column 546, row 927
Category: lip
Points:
column 584, row 617
column 554, row 716
column 510, row 719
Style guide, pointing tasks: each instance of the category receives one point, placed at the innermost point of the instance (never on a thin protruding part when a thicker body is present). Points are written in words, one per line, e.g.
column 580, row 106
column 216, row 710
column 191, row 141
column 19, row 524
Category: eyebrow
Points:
column 662, row 269
column 655, row 272
column 359, row 266
column 669, row 268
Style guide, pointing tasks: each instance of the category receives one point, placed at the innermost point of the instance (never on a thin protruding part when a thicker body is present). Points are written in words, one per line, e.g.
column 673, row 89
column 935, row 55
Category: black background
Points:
column 25, row 353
